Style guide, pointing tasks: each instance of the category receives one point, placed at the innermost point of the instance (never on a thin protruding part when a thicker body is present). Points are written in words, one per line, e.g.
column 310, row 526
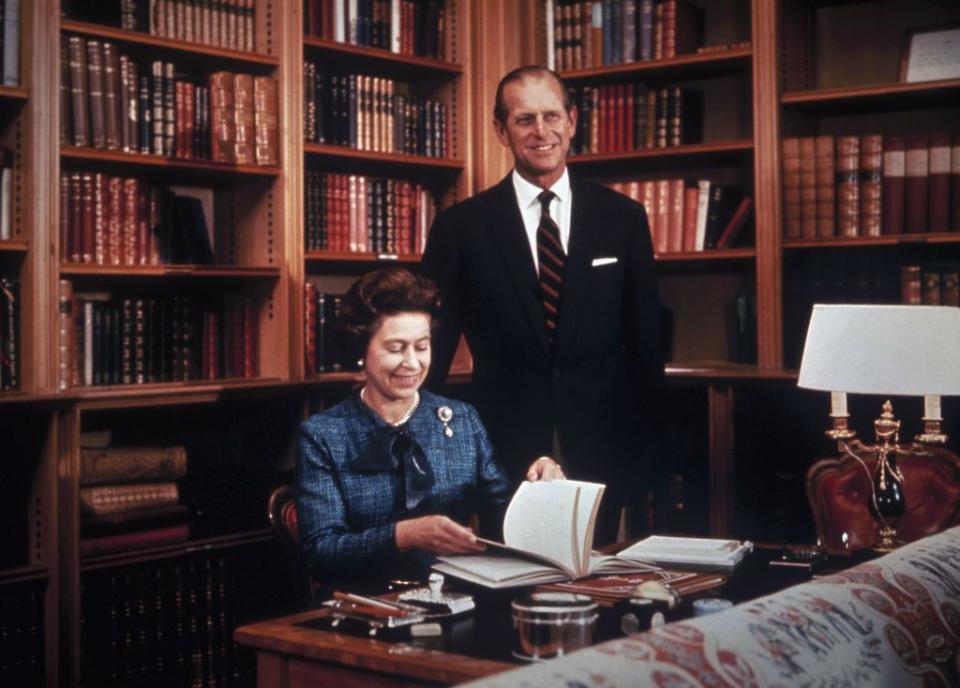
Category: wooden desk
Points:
column 293, row 655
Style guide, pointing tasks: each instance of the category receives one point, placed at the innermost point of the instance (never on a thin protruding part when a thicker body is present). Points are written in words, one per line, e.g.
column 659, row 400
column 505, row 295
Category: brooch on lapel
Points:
column 445, row 415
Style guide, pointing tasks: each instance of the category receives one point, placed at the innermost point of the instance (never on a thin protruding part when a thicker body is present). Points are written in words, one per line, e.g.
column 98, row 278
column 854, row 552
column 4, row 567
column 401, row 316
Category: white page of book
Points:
column 542, row 518
column 586, row 518
column 485, row 568
column 695, row 550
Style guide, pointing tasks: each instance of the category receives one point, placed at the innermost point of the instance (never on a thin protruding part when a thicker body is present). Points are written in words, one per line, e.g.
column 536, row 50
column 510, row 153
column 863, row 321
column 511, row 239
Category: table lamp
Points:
column 885, row 350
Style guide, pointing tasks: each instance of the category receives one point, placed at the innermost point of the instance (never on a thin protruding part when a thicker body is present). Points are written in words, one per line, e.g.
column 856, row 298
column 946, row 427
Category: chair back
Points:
column 282, row 512
column 839, row 492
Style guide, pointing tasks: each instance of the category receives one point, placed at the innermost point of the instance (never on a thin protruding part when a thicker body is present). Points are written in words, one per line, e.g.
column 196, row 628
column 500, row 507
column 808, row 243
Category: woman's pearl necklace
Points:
column 406, row 416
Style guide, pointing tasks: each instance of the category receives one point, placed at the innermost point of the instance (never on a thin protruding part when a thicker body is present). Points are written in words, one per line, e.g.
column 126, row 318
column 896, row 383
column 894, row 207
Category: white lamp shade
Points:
column 895, row 350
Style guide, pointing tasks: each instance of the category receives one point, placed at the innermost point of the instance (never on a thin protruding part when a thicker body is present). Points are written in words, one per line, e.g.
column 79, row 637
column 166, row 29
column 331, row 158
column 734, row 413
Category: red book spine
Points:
column 130, row 234
column 894, row 184
column 910, row 284
column 939, row 183
column 871, row 177
column 791, row 188
column 691, row 198
column 917, row 173
column 628, row 118
column 661, row 238
column 675, row 232
column 75, row 209
column 113, row 253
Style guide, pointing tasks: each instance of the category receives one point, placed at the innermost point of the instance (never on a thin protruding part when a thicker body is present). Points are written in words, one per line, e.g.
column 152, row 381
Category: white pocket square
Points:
column 602, row 261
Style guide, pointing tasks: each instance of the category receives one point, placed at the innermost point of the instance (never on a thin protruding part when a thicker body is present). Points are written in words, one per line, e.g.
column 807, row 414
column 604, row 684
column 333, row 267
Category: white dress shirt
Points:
column 530, row 209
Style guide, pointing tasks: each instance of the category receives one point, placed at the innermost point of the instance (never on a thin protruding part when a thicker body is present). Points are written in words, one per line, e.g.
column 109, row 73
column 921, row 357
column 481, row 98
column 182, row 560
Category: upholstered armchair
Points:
column 839, row 492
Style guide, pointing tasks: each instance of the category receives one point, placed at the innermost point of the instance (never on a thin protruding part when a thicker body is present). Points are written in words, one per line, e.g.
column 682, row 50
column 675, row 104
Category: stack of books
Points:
column 129, row 498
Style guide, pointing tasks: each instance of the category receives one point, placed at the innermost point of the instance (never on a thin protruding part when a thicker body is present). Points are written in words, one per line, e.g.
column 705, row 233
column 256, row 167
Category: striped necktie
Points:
column 550, row 257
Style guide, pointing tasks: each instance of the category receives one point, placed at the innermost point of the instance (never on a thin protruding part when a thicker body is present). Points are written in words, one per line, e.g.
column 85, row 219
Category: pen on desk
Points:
column 363, row 600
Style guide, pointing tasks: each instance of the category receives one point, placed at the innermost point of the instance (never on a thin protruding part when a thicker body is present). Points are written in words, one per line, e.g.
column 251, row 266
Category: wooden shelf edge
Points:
column 157, row 161
column 11, row 246
column 726, row 371
column 220, row 271
column 176, row 549
column 710, row 254
column 359, row 257
column 720, row 57
column 344, row 153
column 827, row 95
column 692, row 149
column 428, row 64
column 864, row 242
column 14, row 93
column 140, row 38
column 21, row 574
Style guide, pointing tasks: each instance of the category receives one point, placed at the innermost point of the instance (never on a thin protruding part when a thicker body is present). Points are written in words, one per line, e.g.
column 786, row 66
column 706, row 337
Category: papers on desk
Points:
column 692, row 551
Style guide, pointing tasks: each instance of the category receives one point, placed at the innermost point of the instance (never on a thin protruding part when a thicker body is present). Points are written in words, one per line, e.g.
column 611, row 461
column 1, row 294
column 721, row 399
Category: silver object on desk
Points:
column 552, row 624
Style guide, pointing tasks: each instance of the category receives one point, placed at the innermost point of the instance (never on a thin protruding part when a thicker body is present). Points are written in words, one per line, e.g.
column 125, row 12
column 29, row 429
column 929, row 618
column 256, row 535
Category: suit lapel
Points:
column 576, row 273
column 511, row 240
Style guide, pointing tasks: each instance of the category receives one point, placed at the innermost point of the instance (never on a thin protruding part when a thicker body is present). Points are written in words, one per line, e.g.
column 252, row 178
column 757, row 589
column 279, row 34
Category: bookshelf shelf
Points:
column 11, row 94
column 170, row 47
column 128, row 161
column 167, row 271
column 724, row 372
column 697, row 65
column 876, row 98
column 938, row 238
column 21, row 574
column 177, row 549
column 720, row 151
column 8, row 246
column 354, row 258
column 399, row 161
column 164, row 393
column 710, row 255
column 384, row 62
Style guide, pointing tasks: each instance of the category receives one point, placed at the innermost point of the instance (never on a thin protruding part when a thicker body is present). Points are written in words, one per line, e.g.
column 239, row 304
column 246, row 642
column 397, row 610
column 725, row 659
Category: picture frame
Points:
column 931, row 53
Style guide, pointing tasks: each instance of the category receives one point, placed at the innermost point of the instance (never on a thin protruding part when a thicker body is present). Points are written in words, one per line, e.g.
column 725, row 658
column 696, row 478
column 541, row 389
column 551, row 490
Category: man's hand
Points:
column 436, row 534
column 545, row 468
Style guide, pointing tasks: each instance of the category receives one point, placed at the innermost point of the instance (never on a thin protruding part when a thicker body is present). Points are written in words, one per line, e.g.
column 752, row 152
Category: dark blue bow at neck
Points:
column 392, row 447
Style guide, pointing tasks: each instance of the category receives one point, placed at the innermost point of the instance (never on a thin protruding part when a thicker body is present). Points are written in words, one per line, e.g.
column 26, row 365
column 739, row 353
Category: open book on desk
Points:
column 548, row 536
column 706, row 552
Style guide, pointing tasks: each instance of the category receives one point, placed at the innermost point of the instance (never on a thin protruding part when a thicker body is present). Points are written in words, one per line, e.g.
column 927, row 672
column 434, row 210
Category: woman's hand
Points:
column 545, row 468
column 436, row 534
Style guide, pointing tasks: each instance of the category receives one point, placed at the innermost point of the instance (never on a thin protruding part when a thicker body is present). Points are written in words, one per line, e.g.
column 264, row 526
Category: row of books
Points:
column 108, row 220
column 10, row 38
column 170, row 622
column 585, row 34
column 870, row 185
column 371, row 113
column 406, row 27
column 691, row 216
column 227, row 24
column 130, row 498
column 9, row 333
column 354, row 213
column 107, row 104
column 624, row 117
column 930, row 285
column 323, row 336
column 105, row 340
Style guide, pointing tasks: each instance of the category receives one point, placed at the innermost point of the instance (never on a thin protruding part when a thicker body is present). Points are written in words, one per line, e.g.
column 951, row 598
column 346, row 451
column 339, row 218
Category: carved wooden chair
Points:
column 282, row 512
column 839, row 490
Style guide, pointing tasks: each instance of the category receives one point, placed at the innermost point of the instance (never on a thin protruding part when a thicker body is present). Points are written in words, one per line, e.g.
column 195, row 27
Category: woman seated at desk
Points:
column 387, row 477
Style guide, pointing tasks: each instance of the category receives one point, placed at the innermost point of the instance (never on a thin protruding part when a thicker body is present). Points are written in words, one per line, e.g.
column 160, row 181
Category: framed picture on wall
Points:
column 930, row 54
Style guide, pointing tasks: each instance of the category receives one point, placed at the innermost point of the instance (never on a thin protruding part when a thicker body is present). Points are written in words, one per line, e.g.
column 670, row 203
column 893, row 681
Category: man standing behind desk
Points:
column 552, row 281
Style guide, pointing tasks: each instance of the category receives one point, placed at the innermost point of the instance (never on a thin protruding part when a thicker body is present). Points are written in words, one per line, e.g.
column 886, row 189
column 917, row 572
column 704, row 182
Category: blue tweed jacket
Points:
column 347, row 517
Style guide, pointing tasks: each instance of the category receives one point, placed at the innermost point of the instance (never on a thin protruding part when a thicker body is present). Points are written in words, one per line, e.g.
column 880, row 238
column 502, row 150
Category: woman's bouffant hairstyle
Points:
column 380, row 293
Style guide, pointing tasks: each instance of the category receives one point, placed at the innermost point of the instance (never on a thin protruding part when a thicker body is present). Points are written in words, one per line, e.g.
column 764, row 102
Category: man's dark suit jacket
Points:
column 599, row 385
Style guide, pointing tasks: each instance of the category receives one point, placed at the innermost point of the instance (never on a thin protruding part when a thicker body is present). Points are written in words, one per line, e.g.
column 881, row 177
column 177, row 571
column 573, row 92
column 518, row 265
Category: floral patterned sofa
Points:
column 894, row 621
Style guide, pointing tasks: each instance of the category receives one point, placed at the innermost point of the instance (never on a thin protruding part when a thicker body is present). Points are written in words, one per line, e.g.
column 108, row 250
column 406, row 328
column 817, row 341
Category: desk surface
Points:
column 302, row 650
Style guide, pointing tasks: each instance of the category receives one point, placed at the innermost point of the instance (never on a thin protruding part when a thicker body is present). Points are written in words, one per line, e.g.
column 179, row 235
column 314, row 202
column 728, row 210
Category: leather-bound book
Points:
column 66, row 107
column 910, row 284
column 645, row 29
column 223, row 128
column 791, row 187
column 808, row 187
column 917, row 175
column 156, row 106
column 661, row 119
column 101, row 212
column 266, row 118
column 675, row 231
column 691, row 198
column 893, row 190
column 180, row 116
column 169, row 109
column 128, row 542
column 871, row 184
column 139, row 341
column 95, row 79
column 848, row 186
column 127, row 126
column 661, row 241
column 939, row 183
column 930, row 288
column 114, row 222
column 628, row 29
column 65, row 347
column 145, row 111
column 129, row 233
column 80, row 108
column 824, row 170
column 112, row 100
column 682, row 28
column 684, row 116
column 9, row 333
column 74, row 208
column 127, row 324
column 950, row 288
column 88, row 214
column 68, row 247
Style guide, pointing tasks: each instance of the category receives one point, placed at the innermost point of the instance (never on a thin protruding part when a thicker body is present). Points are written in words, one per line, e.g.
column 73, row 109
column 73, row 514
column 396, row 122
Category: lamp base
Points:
column 888, row 540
